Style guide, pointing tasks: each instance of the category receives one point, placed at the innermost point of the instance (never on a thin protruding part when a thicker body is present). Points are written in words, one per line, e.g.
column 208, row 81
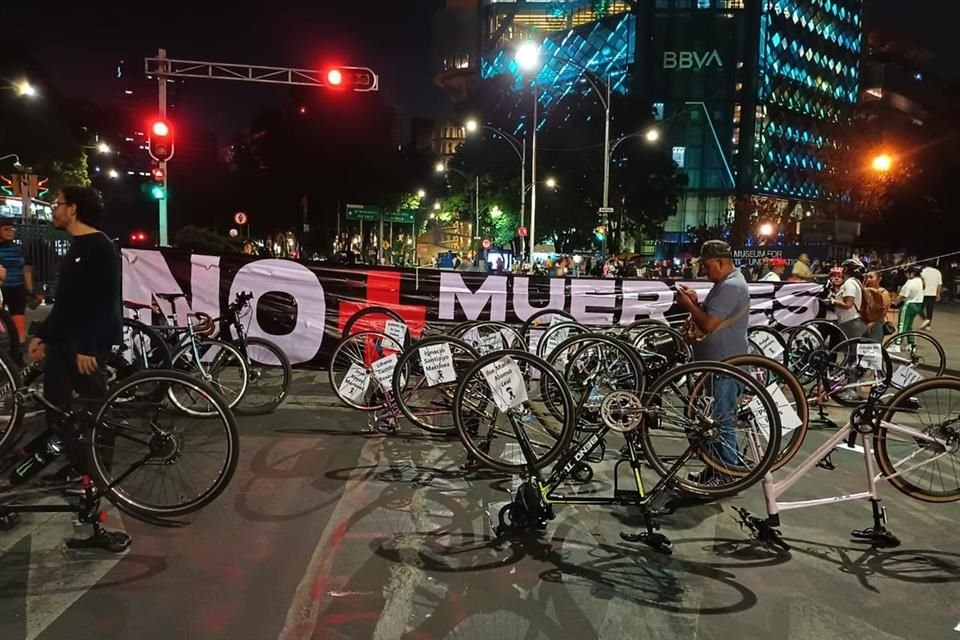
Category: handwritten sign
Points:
column 396, row 330
column 905, row 376
column 870, row 356
column 437, row 363
column 769, row 346
column 355, row 383
column 383, row 369
column 506, row 382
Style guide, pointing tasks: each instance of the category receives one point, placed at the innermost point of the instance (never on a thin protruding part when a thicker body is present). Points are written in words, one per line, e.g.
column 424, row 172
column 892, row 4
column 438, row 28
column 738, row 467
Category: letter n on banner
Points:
column 383, row 290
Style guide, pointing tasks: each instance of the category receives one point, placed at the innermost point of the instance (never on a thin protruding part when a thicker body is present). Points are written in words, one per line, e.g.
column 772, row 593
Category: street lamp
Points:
column 520, row 148
column 113, row 174
column 882, row 163
column 551, row 183
column 440, row 167
column 766, row 229
column 528, row 59
column 436, row 206
column 652, row 136
column 24, row 88
column 103, row 147
column 16, row 159
column 421, row 194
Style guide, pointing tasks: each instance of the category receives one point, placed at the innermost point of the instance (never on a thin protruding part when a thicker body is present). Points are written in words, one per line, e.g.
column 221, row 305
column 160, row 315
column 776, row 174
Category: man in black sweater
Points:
column 86, row 319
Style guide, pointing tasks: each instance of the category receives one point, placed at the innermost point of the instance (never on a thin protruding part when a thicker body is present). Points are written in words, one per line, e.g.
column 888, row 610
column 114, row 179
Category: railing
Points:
column 43, row 246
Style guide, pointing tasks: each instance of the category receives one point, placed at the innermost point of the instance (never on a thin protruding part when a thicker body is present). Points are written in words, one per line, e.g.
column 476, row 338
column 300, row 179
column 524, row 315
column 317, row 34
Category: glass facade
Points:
column 808, row 80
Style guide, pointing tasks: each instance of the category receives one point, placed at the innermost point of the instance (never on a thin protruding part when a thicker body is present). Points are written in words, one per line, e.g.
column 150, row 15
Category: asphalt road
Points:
column 327, row 533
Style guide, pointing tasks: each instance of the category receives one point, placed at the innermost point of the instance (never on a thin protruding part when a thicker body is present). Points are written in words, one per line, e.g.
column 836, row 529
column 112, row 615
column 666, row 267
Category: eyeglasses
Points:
column 58, row 203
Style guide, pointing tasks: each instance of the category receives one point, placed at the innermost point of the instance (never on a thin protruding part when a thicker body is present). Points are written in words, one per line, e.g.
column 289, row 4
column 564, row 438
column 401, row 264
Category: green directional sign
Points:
column 363, row 212
column 404, row 216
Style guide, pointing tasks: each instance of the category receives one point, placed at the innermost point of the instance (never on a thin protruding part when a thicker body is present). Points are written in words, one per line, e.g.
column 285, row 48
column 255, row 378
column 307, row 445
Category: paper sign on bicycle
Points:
column 905, row 376
column 489, row 344
column 506, row 383
column 768, row 345
column 789, row 419
column 870, row 356
column 355, row 382
column 396, row 330
column 437, row 363
column 383, row 369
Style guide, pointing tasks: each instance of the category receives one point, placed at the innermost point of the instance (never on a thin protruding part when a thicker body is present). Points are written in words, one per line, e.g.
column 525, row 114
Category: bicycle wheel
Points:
column 552, row 336
column 923, row 463
column 851, row 375
column 769, row 342
column 371, row 319
column 269, row 374
column 488, row 336
column 789, row 396
column 142, row 347
column 500, row 399
column 150, row 458
column 802, row 343
column 11, row 409
column 425, row 380
column 351, row 369
column 220, row 364
column 918, row 351
column 541, row 320
column 663, row 341
column 710, row 411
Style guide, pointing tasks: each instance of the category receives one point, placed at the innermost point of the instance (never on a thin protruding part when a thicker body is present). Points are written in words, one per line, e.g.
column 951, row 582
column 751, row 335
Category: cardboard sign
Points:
column 355, row 383
column 383, row 369
column 870, row 356
column 396, row 330
column 905, row 376
column 769, row 345
column 789, row 418
column 437, row 363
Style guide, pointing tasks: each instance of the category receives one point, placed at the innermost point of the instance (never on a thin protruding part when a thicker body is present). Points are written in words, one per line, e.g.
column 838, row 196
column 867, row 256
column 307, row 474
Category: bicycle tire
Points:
column 840, row 349
column 528, row 324
column 159, row 348
column 907, row 335
column 99, row 467
column 246, row 407
column 369, row 311
column 404, row 374
column 181, row 362
column 791, row 445
column 907, row 398
column 10, row 382
column 461, row 401
column 335, row 360
column 736, row 483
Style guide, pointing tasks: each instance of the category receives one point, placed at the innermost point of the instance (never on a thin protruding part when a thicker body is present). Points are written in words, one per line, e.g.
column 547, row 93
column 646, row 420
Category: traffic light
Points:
column 158, row 190
column 160, row 141
column 352, row 79
column 138, row 236
column 41, row 187
column 10, row 186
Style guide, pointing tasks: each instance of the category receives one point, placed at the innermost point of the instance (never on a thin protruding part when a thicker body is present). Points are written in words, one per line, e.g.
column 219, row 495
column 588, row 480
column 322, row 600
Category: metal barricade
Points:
column 43, row 247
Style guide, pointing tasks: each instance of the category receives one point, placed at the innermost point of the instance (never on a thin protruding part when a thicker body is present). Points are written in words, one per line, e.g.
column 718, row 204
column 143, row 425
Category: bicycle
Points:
column 901, row 418
column 124, row 447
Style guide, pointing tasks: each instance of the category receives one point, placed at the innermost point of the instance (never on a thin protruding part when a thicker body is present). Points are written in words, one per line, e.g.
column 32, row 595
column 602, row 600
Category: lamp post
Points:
column 528, row 59
column 519, row 146
column 442, row 168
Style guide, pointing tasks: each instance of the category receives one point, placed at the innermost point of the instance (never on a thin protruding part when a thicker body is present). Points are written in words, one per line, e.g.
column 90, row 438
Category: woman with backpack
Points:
column 850, row 300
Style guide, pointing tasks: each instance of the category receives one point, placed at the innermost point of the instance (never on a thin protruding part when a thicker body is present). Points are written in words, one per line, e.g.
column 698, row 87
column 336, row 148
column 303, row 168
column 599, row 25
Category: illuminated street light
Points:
column 551, row 183
column 436, row 206
column 103, row 147
column 471, row 126
column 439, row 167
column 421, row 194
column 113, row 174
column 496, row 212
column 652, row 136
column 882, row 163
column 24, row 88
column 528, row 56
column 766, row 229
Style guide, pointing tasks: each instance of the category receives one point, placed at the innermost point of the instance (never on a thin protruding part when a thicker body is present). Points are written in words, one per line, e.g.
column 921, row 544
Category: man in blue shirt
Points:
column 18, row 277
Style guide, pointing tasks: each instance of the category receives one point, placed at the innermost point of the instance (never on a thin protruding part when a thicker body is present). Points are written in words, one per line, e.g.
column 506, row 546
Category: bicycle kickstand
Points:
column 878, row 535
column 89, row 513
column 651, row 537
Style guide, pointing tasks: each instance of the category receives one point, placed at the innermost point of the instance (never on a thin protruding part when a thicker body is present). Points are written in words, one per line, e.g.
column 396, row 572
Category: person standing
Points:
column 85, row 323
column 18, row 279
column 722, row 318
column 911, row 299
column 777, row 267
column 850, row 300
column 801, row 268
column 932, row 290
column 875, row 329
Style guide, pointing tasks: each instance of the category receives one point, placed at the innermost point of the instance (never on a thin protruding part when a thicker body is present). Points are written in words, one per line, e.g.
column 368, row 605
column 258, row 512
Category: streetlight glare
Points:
column 24, row 88
column 882, row 163
column 421, row 193
column 496, row 212
column 439, row 167
column 113, row 174
column 103, row 147
column 528, row 56
column 472, row 126
column 653, row 135
column 766, row 229
column 551, row 183
column 436, row 206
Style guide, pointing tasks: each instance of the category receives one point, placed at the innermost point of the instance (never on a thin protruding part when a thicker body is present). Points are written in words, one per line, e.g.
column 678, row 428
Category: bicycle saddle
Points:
column 135, row 306
column 170, row 297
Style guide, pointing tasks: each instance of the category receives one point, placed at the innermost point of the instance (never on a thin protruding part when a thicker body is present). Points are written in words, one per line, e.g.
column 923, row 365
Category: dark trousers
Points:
column 61, row 378
column 928, row 302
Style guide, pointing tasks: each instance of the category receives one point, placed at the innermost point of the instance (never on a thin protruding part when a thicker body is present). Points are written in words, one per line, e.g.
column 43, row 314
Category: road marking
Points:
column 304, row 611
column 957, row 628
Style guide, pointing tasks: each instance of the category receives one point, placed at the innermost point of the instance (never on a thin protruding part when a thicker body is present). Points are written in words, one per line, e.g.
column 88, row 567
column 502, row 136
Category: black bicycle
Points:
column 137, row 448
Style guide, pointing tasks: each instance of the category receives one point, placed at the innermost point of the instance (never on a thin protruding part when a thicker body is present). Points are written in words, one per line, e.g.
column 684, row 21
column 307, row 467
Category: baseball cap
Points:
column 715, row 249
column 778, row 262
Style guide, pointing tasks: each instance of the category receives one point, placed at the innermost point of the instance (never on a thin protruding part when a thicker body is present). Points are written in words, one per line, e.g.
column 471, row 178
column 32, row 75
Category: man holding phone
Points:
column 722, row 321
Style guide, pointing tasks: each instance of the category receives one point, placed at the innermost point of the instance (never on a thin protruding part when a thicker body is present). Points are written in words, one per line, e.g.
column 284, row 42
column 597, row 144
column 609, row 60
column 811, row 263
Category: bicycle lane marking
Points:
column 311, row 593
column 57, row 578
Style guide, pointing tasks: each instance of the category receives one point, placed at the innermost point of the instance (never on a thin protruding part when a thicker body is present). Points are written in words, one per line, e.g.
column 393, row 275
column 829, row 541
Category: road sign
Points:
column 240, row 218
column 404, row 216
column 522, row 232
column 363, row 212
column 486, row 243
column 606, row 210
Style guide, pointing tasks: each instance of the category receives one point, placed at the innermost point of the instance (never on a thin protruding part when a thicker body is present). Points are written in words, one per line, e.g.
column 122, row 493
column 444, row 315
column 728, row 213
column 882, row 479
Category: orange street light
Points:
column 882, row 163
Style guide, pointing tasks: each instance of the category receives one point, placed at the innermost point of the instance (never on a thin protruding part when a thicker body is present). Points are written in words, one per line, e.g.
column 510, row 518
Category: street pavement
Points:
column 328, row 533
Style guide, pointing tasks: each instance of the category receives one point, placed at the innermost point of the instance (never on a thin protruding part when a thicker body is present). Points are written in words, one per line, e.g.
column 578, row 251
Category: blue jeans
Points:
column 726, row 392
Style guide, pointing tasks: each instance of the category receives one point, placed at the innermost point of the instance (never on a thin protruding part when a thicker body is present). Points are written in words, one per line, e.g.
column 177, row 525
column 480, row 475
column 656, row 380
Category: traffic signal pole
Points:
column 162, row 108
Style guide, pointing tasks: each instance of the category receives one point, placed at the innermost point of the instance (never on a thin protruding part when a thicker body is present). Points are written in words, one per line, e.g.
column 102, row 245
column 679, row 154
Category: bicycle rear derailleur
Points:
column 527, row 512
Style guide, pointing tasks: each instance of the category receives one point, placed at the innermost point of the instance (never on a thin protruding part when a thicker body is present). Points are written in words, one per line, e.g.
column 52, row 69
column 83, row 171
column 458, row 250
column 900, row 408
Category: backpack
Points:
column 874, row 303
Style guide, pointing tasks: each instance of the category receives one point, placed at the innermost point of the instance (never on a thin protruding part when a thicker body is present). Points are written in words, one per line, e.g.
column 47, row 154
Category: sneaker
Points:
column 709, row 477
column 924, row 324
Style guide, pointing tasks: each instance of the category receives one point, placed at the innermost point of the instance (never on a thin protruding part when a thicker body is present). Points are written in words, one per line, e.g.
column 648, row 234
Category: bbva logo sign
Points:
column 691, row 59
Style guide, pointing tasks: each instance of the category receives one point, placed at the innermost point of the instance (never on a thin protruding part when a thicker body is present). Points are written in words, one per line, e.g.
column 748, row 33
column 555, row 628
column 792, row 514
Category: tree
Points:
column 73, row 171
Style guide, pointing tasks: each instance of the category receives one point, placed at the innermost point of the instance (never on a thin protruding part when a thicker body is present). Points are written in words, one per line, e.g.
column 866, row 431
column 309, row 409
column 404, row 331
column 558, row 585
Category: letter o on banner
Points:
column 265, row 276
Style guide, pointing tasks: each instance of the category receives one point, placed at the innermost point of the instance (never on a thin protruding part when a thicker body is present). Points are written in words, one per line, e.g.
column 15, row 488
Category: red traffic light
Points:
column 334, row 77
column 160, row 143
column 158, row 174
column 138, row 236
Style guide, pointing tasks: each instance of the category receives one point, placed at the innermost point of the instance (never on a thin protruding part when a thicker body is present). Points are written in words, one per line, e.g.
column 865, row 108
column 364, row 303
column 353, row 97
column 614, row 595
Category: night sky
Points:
column 79, row 43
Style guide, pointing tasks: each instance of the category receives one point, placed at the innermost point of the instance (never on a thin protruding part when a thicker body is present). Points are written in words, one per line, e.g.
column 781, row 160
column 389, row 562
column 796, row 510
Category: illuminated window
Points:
column 658, row 111
column 680, row 156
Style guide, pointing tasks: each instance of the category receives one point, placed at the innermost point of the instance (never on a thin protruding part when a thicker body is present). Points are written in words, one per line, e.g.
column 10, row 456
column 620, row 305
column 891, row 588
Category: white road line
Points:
column 957, row 628
column 304, row 611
